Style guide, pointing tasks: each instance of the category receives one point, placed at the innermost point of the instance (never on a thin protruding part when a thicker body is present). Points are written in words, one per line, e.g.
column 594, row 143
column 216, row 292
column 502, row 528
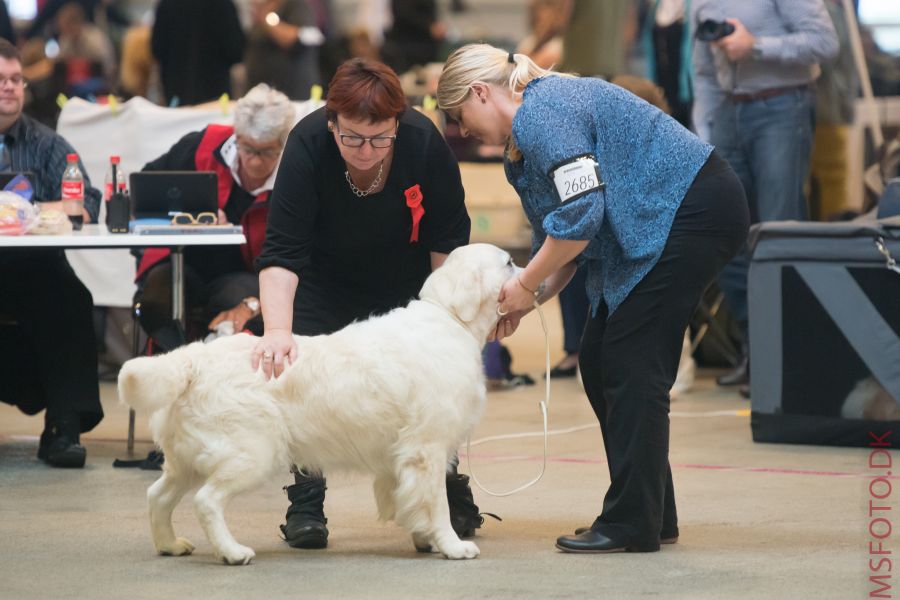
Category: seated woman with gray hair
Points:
column 220, row 282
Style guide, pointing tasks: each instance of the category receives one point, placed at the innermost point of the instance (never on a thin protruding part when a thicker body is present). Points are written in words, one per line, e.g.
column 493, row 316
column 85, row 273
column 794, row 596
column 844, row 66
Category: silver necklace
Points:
column 361, row 193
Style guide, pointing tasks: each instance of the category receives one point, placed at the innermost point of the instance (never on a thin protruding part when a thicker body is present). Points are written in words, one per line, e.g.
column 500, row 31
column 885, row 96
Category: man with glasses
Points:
column 48, row 353
column 220, row 283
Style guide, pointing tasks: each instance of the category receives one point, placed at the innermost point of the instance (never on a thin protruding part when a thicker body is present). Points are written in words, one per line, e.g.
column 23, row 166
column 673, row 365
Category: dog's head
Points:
column 468, row 284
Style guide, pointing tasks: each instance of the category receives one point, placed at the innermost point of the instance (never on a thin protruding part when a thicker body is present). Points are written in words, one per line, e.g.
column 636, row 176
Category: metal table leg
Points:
column 178, row 315
column 177, row 261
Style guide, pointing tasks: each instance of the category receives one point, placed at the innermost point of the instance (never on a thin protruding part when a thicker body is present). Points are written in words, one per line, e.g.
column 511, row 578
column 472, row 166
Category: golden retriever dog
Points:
column 393, row 396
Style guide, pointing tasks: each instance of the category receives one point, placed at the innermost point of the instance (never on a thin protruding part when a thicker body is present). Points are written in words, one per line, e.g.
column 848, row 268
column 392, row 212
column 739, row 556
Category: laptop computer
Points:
column 157, row 194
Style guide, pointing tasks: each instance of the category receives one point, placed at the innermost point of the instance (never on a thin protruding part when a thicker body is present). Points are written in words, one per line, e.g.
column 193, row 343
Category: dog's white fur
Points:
column 392, row 396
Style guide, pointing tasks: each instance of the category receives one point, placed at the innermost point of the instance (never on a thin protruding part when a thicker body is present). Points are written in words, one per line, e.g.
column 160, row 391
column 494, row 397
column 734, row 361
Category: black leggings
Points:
column 629, row 359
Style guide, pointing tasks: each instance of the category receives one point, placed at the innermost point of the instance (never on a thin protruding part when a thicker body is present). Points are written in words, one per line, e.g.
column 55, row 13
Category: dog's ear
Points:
column 458, row 287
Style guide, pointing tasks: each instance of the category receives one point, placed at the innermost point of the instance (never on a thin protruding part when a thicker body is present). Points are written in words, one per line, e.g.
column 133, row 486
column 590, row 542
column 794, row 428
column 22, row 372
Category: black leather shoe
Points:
column 664, row 538
column 594, row 542
column 305, row 518
column 59, row 447
column 558, row 372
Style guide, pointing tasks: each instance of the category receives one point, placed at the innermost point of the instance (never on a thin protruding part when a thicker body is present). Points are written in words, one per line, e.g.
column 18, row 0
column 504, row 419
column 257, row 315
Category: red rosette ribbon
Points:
column 414, row 202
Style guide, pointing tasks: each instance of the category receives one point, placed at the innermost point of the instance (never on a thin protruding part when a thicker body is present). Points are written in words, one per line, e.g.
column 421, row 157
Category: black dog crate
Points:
column 824, row 331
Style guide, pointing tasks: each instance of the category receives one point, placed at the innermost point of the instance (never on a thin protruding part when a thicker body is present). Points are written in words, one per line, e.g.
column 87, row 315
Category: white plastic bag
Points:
column 16, row 214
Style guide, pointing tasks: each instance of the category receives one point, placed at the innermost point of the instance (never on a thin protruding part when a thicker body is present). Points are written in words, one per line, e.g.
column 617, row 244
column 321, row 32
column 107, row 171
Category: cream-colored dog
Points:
column 393, row 396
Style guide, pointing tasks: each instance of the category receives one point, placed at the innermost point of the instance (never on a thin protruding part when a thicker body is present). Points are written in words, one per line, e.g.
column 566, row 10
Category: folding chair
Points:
column 705, row 322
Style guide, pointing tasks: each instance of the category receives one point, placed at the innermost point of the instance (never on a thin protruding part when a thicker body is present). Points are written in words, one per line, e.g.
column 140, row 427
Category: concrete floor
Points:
column 757, row 521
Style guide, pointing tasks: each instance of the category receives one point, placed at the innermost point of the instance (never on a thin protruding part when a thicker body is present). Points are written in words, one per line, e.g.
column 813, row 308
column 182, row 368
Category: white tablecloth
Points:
column 138, row 131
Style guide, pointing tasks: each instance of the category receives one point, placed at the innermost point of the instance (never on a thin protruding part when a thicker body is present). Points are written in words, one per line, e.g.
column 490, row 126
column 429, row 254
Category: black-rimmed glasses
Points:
column 16, row 80
column 356, row 141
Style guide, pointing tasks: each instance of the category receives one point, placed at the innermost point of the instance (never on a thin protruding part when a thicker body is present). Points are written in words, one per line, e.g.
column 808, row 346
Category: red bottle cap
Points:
column 71, row 157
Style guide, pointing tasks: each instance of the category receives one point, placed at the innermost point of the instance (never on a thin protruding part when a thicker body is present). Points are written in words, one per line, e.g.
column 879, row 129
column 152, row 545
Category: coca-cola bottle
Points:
column 73, row 192
column 115, row 173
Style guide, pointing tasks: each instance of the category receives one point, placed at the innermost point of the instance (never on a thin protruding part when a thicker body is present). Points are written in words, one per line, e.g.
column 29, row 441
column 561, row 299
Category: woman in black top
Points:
column 368, row 200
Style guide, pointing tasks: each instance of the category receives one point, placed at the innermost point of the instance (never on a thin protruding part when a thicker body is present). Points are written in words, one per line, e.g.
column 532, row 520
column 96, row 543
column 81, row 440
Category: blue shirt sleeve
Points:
column 548, row 134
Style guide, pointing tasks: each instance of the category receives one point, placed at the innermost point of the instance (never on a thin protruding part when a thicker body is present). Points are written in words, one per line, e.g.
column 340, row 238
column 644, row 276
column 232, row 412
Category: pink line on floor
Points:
column 597, row 461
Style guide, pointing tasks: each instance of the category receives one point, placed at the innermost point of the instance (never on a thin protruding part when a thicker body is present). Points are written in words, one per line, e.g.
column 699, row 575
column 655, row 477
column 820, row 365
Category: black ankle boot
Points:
column 464, row 516
column 305, row 526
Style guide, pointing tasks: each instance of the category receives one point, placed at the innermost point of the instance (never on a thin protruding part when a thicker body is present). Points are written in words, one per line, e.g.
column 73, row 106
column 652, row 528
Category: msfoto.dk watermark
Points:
column 880, row 524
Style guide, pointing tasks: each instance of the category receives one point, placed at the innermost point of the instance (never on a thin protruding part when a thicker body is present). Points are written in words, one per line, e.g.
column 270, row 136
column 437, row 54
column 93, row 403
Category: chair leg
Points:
column 709, row 326
column 709, row 313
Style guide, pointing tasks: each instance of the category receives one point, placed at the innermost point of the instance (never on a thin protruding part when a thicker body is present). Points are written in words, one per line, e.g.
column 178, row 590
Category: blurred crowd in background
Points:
column 188, row 52
column 182, row 52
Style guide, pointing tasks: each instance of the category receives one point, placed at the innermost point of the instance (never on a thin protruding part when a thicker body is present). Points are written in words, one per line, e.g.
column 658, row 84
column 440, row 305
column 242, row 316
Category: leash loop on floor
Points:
column 544, row 407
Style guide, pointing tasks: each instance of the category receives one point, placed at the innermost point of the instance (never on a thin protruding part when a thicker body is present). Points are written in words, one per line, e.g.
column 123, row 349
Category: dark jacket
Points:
column 196, row 42
column 200, row 151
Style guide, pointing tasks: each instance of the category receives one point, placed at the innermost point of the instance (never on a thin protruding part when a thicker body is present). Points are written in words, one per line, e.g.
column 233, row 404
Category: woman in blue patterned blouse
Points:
column 608, row 180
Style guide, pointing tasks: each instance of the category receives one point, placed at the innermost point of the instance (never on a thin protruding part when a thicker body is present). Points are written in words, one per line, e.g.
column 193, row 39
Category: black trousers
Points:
column 48, row 358
column 204, row 299
column 574, row 304
column 629, row 359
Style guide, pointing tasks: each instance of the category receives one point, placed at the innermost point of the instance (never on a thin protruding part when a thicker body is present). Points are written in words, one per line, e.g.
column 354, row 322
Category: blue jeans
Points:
column 768, row 143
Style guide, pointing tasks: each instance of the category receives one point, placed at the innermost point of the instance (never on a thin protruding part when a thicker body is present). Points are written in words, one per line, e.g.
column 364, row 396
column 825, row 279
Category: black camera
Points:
column 711, row 30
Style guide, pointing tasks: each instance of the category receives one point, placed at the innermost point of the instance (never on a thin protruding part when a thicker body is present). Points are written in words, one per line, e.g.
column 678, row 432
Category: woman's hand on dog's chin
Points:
column 280, row 343
column 515, row 298
column 507, row 325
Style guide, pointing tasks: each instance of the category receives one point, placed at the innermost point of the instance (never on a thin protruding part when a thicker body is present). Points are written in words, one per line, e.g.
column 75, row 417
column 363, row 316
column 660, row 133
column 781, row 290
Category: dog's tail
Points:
column 149, row 383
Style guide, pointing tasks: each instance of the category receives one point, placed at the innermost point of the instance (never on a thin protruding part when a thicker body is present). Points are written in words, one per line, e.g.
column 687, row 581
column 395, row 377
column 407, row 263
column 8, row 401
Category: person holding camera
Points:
column 756, row 64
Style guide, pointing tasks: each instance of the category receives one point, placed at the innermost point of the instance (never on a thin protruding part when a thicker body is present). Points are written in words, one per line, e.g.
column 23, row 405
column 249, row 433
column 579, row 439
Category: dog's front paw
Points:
column 180, row 547
column 239, row 555
column 460, row 550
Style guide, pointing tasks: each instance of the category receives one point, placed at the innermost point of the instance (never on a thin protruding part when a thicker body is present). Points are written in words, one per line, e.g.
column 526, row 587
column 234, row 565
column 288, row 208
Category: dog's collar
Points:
column 452, row 315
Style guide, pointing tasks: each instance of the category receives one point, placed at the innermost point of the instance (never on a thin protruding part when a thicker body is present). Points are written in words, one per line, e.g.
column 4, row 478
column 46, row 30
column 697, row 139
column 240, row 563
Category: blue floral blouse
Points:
column 647, row 161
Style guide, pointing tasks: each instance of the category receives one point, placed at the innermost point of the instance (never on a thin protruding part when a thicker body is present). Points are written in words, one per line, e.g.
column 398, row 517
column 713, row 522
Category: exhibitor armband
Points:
column 575, row 177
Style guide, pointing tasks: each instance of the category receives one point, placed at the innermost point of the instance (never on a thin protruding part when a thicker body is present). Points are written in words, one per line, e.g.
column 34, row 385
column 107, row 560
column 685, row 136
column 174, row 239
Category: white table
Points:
column 138, row 131
column 97, row 236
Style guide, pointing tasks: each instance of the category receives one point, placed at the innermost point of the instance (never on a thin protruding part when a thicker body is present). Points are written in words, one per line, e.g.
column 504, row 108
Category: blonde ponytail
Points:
column 487, row 64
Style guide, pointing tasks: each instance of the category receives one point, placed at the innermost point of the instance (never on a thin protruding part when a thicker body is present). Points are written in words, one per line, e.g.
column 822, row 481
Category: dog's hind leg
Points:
column 163, row 496
column 421, row 501
column 229, row 480
column 384, row 487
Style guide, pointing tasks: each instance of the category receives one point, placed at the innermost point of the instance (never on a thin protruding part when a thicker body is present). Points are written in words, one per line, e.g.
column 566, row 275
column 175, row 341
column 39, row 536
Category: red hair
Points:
column 364, row 89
